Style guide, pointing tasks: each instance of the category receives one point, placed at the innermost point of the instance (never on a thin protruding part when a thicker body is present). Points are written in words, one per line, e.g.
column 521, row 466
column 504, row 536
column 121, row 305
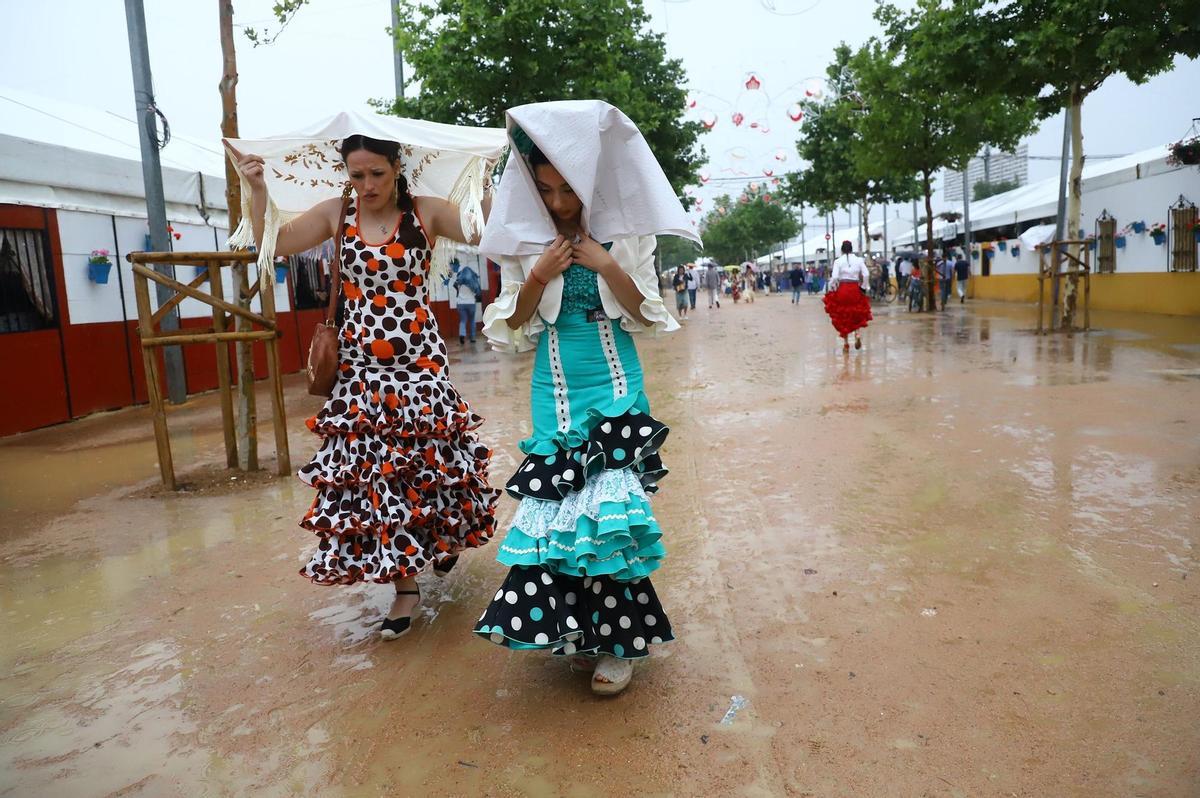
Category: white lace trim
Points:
column 553, row 544
column 537, row 518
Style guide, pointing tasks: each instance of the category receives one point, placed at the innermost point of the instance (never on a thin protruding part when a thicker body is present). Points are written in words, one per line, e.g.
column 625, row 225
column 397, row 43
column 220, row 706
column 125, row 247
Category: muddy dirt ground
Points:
column 959, row 563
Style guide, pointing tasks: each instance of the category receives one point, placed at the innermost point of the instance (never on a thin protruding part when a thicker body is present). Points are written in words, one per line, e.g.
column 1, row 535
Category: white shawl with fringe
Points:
column 626, row 199
column 303, row 168
column 604, row 158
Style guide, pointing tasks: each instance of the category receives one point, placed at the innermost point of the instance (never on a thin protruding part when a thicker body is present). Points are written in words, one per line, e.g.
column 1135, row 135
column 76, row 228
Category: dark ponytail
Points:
column 389, row 150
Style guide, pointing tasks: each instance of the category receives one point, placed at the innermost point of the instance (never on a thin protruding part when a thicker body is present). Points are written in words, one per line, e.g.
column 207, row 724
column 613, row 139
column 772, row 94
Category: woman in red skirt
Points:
column 846, row 299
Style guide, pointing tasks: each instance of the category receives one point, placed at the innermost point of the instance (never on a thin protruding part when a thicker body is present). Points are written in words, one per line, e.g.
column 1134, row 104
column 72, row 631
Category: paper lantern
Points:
column 795, row 112
column 738, row 118
column 769, row 172
column 709, row 120
column 781, row 155
column 705, row 177
column 753, row 83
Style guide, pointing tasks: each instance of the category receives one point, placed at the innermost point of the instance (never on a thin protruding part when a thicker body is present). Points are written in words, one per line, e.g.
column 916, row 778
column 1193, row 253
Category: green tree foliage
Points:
column 919, row 119
column 475, row 58
column 746, row 228
column 673, row 250
column 983, row 189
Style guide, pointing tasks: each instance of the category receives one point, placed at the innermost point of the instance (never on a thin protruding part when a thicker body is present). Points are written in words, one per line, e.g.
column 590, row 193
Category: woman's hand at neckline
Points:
column 588, row 252
column 553, row 262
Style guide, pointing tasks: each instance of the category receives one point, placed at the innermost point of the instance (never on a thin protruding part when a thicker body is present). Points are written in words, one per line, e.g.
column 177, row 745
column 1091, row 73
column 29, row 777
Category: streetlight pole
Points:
column 156, row 208
column 397, row 56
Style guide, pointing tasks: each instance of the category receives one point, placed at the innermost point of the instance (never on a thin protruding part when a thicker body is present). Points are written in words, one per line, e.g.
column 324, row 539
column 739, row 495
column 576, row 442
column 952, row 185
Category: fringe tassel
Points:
column 243, row 237
column 467, row 194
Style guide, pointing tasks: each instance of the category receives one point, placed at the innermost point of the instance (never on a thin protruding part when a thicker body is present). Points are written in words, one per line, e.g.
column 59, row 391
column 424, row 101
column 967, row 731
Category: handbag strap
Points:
column 335, row 266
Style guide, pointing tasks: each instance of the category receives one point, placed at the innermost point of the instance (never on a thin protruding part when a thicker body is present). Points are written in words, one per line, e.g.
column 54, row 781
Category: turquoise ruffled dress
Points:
column 584, row 539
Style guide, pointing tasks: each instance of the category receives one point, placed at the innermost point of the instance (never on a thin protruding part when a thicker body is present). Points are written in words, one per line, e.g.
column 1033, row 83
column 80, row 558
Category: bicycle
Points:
column 883, row 291
column 916, row 293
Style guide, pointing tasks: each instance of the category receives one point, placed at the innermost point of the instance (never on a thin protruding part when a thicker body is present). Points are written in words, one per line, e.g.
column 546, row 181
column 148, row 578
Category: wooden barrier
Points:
column 218, row 334
column 1074, row 268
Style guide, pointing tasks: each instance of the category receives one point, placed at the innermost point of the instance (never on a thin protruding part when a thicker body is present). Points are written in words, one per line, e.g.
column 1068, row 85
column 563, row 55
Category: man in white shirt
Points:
column 693, row 283
column 904, row 274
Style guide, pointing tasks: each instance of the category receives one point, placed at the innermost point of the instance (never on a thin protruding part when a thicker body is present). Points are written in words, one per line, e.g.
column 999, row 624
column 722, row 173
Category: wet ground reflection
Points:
column 961, row 561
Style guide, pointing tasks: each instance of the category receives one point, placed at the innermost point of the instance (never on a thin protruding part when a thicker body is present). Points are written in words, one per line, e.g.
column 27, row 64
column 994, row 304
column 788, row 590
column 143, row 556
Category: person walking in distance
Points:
column 796, row 279
column 712, row 284
column 846, row 299
column 962, row 273
column 679, row 282
column 693, row 284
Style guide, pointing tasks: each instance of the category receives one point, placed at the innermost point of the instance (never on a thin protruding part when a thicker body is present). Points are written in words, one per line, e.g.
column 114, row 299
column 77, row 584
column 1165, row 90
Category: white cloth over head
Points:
column 605, row 160
column 304, row 167
column 626, row 201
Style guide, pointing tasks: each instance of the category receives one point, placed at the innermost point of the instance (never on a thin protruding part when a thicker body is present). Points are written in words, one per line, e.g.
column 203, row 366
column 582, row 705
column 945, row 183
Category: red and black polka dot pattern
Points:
column 401, row 476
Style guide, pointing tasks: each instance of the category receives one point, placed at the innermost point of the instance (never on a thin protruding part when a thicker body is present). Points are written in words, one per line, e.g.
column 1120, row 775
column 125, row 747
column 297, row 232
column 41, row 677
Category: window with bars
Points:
column 26, row 282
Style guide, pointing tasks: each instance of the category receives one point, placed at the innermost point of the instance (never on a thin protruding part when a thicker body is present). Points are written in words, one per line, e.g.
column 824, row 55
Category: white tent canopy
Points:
column 59, row 155
column 1040, row 200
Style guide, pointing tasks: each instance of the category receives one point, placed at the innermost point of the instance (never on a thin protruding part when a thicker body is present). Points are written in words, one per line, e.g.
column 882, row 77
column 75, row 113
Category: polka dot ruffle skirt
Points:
column 628, row 441
column 537, row 609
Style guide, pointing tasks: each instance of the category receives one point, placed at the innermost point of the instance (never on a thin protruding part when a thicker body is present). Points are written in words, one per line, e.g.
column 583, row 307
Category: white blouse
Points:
column 634, row 255
column 852, row 269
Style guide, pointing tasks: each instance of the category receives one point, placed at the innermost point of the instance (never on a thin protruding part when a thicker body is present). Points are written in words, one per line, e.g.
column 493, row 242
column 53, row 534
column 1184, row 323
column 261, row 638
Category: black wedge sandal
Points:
column 444, row 567
column 393, row 628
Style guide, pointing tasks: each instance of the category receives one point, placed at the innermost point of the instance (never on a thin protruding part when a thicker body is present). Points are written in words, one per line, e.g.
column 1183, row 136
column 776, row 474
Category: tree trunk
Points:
column 929, row 274
column 245, row 423
column 865, row 211
column 1074, row 207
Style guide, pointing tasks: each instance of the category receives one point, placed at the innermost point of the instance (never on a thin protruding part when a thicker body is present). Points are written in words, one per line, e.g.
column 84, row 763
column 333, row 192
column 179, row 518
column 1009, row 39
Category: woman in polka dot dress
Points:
column 584, row 540
column 401, row 476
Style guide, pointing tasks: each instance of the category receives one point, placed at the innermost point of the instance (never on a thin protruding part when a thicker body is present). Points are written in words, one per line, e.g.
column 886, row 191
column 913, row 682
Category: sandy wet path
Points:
column 961, row 562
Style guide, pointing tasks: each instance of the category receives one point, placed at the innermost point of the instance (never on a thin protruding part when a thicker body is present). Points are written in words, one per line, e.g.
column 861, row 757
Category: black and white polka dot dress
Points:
column 584, row 539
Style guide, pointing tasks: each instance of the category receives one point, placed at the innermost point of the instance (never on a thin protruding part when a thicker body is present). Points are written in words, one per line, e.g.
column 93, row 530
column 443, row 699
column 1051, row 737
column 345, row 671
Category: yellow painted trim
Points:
column 1170, row 293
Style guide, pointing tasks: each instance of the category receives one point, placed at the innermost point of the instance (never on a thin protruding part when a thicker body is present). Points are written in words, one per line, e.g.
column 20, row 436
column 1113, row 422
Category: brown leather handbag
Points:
column 323, row 351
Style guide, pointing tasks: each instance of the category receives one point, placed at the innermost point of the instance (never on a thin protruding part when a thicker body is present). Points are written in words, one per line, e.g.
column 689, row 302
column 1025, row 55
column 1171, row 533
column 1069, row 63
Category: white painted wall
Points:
column 81, row 232
column 1144, row 200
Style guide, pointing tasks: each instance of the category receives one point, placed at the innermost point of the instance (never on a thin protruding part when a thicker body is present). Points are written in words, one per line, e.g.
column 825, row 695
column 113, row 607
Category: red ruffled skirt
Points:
column 848, row 308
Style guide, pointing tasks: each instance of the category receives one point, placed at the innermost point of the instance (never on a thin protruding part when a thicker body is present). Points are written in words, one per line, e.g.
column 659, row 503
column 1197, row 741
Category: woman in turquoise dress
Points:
column 584, row 540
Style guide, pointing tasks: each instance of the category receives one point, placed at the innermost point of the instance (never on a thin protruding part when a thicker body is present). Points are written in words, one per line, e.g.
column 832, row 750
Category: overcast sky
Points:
column 336, row 55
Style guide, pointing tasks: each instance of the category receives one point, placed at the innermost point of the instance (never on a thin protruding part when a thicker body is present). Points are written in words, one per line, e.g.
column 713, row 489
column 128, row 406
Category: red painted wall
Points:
column 42, row 401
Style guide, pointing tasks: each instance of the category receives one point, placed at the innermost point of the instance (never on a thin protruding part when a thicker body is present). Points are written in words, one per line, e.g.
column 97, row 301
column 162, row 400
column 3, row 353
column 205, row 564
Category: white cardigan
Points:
column 634, row 255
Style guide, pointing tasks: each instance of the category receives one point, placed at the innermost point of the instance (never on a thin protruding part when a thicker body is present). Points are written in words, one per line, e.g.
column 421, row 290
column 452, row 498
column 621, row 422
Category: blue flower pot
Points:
column 1092, row 245
column 98, row 272
column 1120, row 242
column 281, row 273
column 1196, row 235
column 1139, row 227
column 1159, row 238
column 1016, row 251
column 975, row 255
column 1001, row 245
